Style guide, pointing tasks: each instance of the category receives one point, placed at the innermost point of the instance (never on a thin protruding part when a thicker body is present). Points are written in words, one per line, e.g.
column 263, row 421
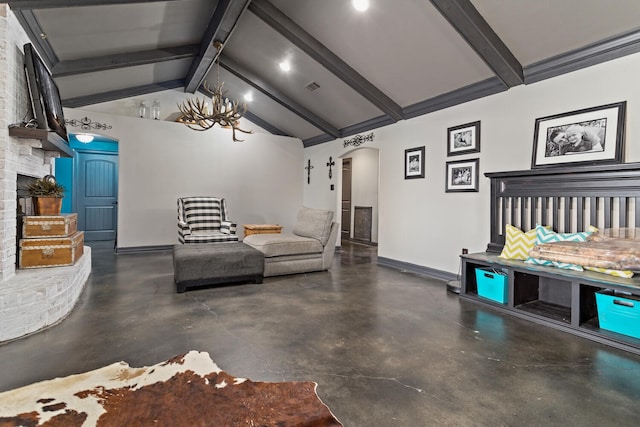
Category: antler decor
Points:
column 196, row 114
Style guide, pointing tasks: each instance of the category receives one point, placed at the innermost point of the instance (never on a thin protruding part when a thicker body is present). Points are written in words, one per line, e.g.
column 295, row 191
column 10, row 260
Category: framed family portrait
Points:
column 414, row 163
column 582, row 137
column 462, row 176
column 463, row 139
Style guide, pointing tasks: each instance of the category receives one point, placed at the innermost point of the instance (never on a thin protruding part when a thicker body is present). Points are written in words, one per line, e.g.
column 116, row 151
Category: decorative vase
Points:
column 47, row 205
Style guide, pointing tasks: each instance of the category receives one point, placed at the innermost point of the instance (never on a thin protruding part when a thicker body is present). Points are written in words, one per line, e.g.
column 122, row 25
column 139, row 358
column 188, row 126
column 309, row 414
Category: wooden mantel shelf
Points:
column 50, row 140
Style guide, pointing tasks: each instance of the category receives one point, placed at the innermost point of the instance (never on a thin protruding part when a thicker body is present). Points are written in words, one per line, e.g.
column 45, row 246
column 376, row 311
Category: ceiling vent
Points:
column 312, row 87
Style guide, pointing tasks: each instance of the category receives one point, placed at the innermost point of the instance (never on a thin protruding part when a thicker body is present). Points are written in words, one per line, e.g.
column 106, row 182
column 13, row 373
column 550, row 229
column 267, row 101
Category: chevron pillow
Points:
column 517, row 243
column 544, row 235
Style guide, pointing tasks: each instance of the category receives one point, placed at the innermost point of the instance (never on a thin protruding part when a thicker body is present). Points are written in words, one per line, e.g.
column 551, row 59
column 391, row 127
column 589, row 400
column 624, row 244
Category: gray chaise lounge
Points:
column 309, row 248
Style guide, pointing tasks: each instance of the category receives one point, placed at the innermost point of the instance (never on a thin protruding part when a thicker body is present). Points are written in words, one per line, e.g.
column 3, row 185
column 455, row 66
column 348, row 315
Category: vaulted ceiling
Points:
column 350, row 71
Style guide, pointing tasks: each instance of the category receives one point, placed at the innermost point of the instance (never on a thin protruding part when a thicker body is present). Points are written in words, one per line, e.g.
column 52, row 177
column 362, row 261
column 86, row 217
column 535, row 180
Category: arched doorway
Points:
column 358, row 195
column 91, row 181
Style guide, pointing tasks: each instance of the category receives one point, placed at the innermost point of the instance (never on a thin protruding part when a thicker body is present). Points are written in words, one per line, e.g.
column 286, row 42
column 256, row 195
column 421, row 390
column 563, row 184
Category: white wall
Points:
column 160, row 161
column 421, row 224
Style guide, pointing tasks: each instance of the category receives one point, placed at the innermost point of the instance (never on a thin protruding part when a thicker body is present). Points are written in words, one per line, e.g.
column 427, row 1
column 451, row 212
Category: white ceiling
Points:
column 399, row 59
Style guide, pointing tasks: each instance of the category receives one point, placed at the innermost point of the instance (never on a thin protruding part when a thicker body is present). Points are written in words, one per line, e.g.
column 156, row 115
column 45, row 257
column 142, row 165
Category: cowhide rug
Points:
column 187, row 390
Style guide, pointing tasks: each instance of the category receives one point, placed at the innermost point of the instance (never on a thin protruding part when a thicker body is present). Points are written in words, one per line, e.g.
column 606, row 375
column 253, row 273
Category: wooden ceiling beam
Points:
column 31, row 26
column 468, row 22
column 51, row 4
column 110, row 62
column 223, row 22
column 113, row 95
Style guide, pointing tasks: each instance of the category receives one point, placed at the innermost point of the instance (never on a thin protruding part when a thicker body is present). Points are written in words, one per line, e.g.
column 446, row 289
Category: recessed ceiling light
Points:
column 360, row 5
column 248, row 97
column 285, row 66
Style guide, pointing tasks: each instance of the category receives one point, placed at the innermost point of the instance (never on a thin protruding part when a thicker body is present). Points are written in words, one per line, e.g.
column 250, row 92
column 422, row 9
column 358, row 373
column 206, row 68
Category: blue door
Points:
column 96, row 193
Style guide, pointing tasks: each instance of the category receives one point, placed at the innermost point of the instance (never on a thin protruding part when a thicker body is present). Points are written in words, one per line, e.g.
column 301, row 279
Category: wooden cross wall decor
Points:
column 330, row 163
column 308, row 168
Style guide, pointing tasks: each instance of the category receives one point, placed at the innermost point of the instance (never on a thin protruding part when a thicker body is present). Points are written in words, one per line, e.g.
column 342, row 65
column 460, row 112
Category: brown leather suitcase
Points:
column 52, row 251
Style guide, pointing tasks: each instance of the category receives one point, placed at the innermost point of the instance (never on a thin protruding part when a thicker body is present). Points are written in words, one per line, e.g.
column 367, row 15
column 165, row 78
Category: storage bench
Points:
column 567, row 200
column 562, row 299
column 203, row 264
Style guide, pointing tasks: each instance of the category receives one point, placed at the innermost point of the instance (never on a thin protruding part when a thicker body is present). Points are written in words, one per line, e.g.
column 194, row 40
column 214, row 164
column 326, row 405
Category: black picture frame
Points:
column 578, row 138
column 463, row 139
column 462, row 176
column 414, row 163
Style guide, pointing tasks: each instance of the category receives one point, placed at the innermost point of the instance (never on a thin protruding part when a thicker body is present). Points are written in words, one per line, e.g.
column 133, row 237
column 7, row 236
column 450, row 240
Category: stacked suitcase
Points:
column 50, row 241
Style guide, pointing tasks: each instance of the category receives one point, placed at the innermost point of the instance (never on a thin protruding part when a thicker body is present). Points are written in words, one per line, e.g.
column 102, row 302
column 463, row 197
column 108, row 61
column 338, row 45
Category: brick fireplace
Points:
column 36, row 298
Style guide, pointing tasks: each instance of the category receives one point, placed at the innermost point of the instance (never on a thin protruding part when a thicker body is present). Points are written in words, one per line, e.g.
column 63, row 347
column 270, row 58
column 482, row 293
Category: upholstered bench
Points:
column 206, row 264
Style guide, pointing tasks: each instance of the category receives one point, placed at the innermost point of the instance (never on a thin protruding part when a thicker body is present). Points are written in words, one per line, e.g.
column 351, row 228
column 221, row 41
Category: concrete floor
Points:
column 386, row 348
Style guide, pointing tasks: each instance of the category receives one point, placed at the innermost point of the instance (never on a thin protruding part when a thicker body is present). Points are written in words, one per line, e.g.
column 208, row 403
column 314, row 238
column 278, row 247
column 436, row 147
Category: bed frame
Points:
column 568, row 200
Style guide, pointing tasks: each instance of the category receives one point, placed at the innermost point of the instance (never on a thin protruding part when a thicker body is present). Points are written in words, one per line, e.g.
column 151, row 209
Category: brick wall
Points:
column 36, row 298
column 16, row 155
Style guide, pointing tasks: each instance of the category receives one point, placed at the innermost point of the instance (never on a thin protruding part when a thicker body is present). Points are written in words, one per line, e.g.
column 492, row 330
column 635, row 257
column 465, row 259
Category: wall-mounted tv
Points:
column 44, row 94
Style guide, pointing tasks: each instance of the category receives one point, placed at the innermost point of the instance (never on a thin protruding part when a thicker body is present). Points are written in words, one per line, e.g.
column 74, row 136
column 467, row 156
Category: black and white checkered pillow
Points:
column 202, row 213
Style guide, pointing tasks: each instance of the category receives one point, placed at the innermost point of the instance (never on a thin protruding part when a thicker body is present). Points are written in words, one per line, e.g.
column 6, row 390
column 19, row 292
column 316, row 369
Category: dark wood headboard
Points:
column 567, row 199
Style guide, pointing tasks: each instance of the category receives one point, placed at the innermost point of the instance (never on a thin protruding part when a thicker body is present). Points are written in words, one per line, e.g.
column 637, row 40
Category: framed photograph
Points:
column 462, row 176
column 463, row 139
column 414, row 163
column 582, row 137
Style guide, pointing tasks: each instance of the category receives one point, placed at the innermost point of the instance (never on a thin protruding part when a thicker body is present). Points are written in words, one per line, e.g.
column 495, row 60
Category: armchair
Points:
column 204, row 220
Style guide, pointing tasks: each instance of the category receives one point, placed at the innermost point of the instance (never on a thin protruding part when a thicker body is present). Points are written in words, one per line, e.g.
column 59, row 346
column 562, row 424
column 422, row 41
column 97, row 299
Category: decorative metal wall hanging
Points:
column 358, row 140
column 86, row 123
column 308, row 168
column 330, row 163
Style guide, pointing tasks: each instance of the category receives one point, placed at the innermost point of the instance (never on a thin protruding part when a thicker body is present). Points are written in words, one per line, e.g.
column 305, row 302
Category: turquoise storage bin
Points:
column 492, row 285
column 619, row 313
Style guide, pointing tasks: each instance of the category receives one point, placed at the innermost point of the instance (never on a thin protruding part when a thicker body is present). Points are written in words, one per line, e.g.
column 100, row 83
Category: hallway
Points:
column 387, row 348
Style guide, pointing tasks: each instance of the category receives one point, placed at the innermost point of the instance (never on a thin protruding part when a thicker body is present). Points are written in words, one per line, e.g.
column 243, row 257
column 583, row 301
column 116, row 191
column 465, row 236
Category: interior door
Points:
column 97, row 195
column 346, row 199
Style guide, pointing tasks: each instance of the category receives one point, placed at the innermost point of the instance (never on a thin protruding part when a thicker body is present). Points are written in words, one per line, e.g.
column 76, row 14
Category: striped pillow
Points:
column 544, row 235
column 517, row 243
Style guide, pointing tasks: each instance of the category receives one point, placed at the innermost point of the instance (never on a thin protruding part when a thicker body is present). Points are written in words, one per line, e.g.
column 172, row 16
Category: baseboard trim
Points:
column 417, row 269
column 387, row 262
column 361, row 242
column 143, row 249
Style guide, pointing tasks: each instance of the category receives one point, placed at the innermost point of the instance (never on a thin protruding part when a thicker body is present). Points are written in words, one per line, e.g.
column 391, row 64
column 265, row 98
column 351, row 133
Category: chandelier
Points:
column 197, row 115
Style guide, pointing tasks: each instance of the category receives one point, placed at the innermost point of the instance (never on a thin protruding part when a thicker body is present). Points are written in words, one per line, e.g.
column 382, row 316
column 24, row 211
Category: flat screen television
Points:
column 44, row 94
